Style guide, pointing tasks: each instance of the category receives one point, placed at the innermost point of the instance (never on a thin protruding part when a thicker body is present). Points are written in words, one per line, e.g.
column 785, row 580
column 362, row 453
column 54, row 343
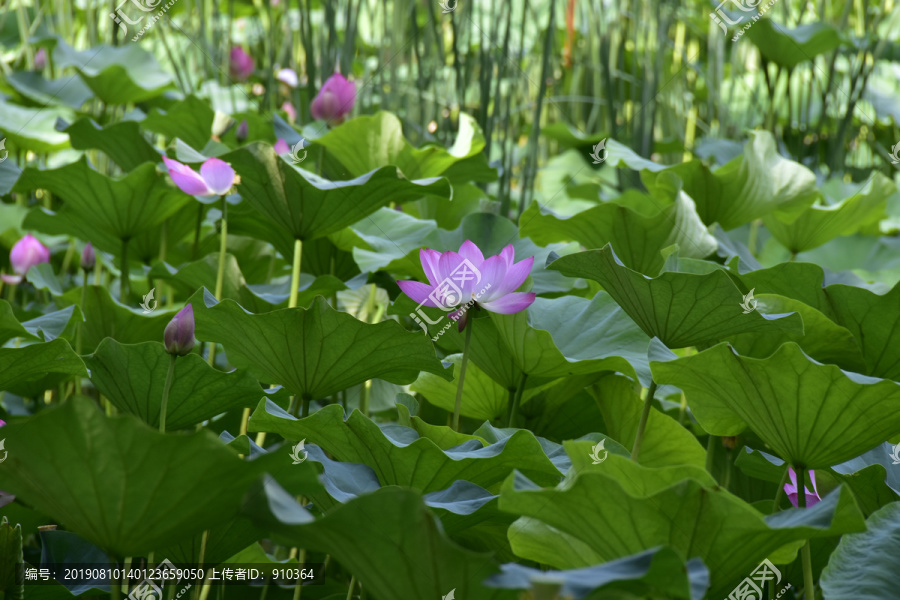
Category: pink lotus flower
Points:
column 281, row 147
column 25, row 254
column 456, row 279
column 290, row 110
column 288, row 77
column 791, row 489
column 40, row 59
column 214, row 179
column 335, row 100
column 241, row 65
column 179, row 333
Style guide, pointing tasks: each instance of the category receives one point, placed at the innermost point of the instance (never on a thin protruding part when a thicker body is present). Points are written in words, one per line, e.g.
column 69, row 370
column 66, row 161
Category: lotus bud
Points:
column 40, row 59
column 88, row 258
column 179, row 334
column 241, row 65
column 25, row 254
column 243, row 130
column 335, row 100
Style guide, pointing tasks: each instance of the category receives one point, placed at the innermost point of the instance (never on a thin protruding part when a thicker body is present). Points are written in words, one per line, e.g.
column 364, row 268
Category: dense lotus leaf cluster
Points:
column 254, row 317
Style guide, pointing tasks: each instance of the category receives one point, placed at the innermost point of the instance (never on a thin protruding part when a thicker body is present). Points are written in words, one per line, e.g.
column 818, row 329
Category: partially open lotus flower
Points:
column 214, row 179
column 456, row 279
column 791, row 489
column 335, row 100
column 25, row 254
column 179, row 333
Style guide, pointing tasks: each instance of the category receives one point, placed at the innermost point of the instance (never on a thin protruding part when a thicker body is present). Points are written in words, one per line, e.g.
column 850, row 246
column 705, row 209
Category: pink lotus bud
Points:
column 2, row 422
column 25, row 254
column 88, row 258
column 241, row 64
column 288, row 77
column 290, row 110
column 242, row 131
column 335, row 100
column 179, row 334
column 40, row 59
column 281, row 147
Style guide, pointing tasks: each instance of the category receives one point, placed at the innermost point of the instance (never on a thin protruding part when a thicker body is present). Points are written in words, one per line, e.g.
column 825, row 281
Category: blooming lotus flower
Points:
column 288, row 77
column 88, row 257
column 241, row 64
column 335, row 100
column 214, row 179
column 791, row 489
column 459, row 278
column 281, row 147
column 25, row 254
column 179, row 334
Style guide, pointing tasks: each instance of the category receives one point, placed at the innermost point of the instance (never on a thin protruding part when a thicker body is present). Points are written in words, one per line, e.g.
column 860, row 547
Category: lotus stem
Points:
column 352, row 585
column 462, row 374
column 364, row 394
column 220, row 273
column 780, row 492
column 124, row 283
column 170, row 376
column 809, row 585
column 78, row 332
column 295, row 273
column 517, row 400
column 645, row 414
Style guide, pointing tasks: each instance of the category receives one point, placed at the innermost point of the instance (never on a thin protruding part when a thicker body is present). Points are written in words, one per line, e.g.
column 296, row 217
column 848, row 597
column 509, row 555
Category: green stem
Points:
column 124, row 283
column 220, row 274
column 197, row 231
column 78, row 333
column 462, row 374
column 298, row 587
column 170, row 376
column 517, row 400
column 780, row 492
column 352, row 585
column 364, row 397
column 295, row 273
column 809, row 585
column 645, row 414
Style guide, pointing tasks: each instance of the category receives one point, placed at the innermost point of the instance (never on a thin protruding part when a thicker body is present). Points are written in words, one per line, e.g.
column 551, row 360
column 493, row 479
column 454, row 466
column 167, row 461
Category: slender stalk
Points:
column 365, row 392
column 220, row 273
column 462, row 374
column 170, row 376
column 78, row 332
column 298, row 587
column 809, row 585
column 196, row 251
column 645, row 414
column 352, row 585
column 115, row 584
column 295, row 273
column 780, row 492
column 124, row 283
column 517, row 400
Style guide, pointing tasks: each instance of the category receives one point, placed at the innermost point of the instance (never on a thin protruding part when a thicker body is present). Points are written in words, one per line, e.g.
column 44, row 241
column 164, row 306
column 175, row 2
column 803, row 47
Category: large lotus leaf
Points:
column 637, row 237
column 483, row 398
column 387, row 239
column 9, row 174
column 619, row 508
column 659, row 570
column 681, row 309
column 820, row 224
column 32, row 369
column 65, row 91
column 106, row 317
column 388, row 539
column 45, row 328
column 811, row 414
column 399, row 456
column 11, row 560
column 790, row 47
column 32, row 128
column 167, row 487
column 190, row 120
column 366, row 143
column 573, row 336
column 755, row 184
column 122, row 142
column 307, row 206
column 118, row 75
column 122, row 208
column 864, row 565
column 822, row 338
column 132, row 377
column 665, row 442
column 313, row 352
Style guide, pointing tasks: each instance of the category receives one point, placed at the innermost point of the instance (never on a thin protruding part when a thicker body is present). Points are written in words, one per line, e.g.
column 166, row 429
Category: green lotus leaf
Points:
column 190, row 120
column 790, row 47
column 122, row 142
column 482, row 398
column 30, row 370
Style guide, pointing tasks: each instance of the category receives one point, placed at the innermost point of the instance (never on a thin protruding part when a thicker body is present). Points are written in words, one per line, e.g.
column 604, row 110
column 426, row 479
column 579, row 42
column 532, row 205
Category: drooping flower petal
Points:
column 510, row 303
column 218, row 175
column 188, row 181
